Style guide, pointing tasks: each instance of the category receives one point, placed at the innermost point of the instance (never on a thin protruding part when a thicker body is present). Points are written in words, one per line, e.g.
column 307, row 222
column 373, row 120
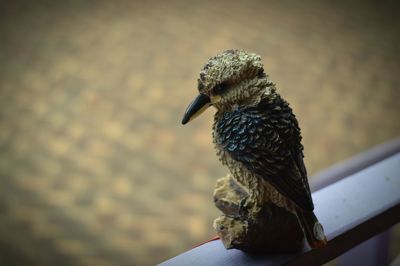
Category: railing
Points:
column 355, row 201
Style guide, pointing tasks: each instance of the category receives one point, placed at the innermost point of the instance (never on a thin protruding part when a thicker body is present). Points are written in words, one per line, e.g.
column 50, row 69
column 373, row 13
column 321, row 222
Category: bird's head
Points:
column 232, row 78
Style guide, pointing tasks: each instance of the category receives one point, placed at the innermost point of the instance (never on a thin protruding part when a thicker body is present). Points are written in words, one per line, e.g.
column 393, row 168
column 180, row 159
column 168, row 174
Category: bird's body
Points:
column 245, row 134
column 257, row 136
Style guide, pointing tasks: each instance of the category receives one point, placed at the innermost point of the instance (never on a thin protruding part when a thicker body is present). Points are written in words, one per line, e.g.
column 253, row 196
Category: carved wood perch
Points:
column 266, row 228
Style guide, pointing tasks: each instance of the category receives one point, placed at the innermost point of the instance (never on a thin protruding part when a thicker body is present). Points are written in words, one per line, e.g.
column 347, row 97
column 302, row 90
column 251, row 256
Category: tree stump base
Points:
column 267, row 228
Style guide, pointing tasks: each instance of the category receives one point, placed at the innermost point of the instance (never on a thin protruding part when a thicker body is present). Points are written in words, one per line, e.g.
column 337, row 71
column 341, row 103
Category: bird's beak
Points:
column 199, row 105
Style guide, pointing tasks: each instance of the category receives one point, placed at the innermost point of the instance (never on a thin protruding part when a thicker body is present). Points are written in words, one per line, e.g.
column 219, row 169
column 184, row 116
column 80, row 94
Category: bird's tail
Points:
column 313, row 230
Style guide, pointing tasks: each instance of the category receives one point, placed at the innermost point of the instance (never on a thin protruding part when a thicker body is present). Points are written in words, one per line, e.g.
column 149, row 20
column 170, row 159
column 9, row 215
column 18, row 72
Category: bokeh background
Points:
column 95, row 168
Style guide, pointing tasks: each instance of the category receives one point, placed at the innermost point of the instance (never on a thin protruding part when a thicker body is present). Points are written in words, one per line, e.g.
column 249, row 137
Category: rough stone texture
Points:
column 95, row 168
column 254, row 229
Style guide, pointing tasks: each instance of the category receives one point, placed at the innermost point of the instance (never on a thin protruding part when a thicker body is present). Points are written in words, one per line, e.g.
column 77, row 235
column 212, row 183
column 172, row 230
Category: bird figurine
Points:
column 257, row 136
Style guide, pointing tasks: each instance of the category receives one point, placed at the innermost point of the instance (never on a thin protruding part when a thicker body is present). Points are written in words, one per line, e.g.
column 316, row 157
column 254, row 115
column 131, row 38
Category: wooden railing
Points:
column 355, row 201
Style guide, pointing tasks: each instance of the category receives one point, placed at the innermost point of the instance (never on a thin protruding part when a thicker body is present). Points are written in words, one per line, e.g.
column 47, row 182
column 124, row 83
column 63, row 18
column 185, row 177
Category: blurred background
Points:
column 95, row 167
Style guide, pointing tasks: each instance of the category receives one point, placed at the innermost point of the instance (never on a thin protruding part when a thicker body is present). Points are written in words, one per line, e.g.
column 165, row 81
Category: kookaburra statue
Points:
column 257, row 137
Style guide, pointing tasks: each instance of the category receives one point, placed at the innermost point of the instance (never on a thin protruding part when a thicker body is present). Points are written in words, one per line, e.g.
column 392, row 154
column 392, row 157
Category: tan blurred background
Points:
column 95, row 166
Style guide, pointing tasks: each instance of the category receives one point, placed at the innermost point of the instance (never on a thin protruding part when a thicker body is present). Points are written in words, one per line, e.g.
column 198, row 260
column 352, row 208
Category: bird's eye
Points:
column 220, row 88
column 261, row 73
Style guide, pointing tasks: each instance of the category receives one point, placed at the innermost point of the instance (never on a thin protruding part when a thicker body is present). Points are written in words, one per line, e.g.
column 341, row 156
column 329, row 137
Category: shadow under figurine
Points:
column 266, row 199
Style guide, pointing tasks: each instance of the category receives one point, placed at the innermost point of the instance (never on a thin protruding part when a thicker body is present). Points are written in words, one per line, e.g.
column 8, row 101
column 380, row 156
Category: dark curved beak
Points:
column 199, row 105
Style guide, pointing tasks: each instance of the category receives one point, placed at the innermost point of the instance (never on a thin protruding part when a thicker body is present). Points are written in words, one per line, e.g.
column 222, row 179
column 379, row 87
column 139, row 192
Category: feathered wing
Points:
column 266, row 140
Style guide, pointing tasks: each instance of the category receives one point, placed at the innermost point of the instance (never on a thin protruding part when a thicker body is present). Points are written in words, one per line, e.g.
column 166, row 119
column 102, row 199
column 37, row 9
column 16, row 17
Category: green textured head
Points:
column 229, row 68
column 231, row 78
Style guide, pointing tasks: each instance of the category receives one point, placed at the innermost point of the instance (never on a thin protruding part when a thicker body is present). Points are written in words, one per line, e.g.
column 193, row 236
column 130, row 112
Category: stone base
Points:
column 266, row 228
